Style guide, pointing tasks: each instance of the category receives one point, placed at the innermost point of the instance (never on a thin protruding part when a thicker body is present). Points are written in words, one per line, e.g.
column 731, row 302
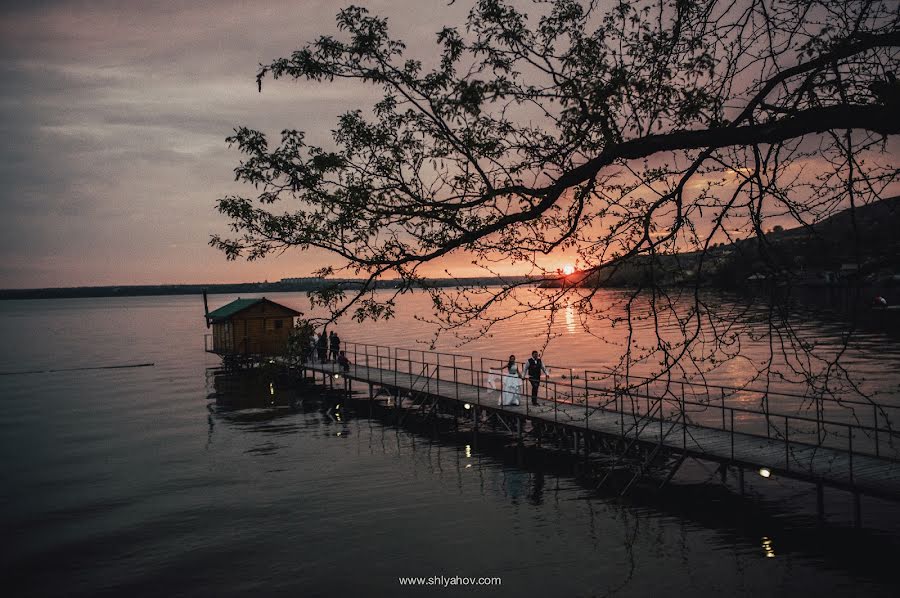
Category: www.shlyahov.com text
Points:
column 445, row 582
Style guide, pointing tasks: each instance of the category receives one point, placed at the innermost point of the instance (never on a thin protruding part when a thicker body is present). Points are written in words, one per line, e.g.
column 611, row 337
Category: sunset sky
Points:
column 114, row 116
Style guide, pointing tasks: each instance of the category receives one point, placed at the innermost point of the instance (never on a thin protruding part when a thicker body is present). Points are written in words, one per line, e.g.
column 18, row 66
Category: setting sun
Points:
column 568, row 269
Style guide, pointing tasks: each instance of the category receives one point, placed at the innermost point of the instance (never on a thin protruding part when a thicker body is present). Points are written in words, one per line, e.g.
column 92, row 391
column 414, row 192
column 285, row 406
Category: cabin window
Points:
column 279, row 324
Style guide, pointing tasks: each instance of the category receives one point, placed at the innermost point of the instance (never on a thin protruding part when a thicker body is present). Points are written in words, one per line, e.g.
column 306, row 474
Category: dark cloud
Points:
column 113, row 117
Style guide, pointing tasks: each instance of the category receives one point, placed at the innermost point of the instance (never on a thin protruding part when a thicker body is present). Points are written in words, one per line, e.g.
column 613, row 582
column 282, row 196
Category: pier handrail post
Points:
column 661, row 417
column 477, row 387
column 787, row 463
column 732, row 434
column 723, row 407
column 546, row 386
column 850, row 449
column 638, row 402
column 481, row 372
column 455, row 377
column 875, row 425
column 555, row 405
column 586, row 401
column 621, row 408
column 526, row 399
column 572, row 386
column 820, row 415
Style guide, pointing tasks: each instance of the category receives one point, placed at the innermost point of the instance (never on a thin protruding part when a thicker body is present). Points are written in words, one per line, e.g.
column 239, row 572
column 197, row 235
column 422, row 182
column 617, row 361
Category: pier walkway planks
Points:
column 867, row 474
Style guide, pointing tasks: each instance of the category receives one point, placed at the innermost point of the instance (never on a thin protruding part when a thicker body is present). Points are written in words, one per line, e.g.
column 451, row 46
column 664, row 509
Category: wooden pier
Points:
column 840, row 444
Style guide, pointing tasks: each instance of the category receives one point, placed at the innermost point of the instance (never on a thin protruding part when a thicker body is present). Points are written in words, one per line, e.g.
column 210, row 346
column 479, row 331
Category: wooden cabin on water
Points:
column 251, row 327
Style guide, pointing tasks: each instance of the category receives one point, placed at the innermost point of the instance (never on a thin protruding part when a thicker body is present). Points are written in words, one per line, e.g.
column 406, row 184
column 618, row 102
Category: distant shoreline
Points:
column 222, row 289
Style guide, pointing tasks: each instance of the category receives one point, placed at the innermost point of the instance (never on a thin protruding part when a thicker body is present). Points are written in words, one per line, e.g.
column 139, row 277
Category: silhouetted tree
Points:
column 614, row 130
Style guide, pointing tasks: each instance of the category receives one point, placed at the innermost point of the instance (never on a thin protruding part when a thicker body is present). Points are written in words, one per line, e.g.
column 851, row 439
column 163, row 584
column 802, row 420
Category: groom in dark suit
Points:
column 535, row 367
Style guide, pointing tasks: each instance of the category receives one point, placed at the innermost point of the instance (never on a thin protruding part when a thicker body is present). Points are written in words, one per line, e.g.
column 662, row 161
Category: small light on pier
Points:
column 337, row 376
column 765, row 472
column 271, row 388
column 468, row 451
column 466, row 406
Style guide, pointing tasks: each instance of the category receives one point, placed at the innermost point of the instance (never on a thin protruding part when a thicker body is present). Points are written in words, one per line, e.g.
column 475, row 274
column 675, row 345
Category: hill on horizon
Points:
column 823, row 253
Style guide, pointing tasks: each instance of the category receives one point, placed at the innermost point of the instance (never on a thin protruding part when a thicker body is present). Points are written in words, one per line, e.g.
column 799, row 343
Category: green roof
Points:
column 226, row 311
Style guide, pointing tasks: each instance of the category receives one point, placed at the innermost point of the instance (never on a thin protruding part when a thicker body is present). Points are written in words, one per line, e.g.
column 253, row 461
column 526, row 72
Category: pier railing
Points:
column 796, row 420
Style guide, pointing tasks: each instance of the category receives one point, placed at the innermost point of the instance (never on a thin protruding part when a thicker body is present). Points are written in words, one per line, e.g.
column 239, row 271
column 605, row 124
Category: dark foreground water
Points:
column 135, row 482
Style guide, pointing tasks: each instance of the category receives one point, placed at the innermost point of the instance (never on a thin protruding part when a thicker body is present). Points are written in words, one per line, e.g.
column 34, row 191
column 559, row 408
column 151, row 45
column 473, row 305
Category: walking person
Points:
column 535, row 367
column 511, row 385
column 335, row 341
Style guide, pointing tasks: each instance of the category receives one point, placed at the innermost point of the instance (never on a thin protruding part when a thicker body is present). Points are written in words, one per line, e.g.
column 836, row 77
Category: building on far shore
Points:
column 251, row 327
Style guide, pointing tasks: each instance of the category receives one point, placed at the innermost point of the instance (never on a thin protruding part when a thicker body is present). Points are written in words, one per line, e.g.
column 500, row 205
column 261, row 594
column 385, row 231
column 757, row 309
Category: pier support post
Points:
column 371, row 391
column 741, row 479
column 857, row 510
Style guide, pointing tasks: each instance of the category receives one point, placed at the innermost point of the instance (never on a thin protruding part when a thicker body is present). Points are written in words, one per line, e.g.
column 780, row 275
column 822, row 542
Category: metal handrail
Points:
column 737, row 389
column 618, row 395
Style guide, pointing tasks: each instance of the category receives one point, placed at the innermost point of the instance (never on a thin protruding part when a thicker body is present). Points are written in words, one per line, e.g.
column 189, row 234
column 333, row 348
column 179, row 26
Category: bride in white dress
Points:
column 511, row 383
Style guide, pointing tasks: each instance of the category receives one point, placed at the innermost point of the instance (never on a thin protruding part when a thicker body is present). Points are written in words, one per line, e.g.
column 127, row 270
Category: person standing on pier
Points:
column 322, row 348
column 535, row 367
column 335, row 342
column 313, row 346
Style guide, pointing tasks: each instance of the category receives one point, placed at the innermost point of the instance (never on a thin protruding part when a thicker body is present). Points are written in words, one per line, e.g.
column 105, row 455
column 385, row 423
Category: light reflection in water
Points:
column 570, row 319
column 768, row 547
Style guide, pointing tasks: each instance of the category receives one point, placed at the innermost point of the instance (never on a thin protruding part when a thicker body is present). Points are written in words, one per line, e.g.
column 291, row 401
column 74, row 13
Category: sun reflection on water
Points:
column 570, row 319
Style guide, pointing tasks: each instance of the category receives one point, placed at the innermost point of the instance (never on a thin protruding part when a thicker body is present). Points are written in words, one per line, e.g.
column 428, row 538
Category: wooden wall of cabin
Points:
column 223, row 340
column 262, row 329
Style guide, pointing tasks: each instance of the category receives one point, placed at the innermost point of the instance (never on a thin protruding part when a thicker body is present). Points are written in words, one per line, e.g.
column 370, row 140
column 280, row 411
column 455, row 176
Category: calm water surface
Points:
column 134, row 482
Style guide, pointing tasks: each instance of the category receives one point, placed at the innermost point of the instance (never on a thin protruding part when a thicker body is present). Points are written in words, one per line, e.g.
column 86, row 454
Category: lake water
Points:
column 135, row 482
